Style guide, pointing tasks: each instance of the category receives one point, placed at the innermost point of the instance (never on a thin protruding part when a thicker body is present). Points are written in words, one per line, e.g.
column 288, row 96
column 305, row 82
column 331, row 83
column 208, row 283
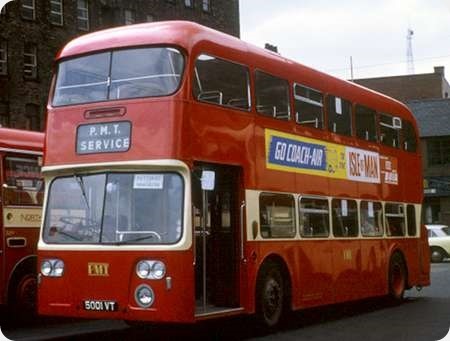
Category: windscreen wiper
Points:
column 80, row 182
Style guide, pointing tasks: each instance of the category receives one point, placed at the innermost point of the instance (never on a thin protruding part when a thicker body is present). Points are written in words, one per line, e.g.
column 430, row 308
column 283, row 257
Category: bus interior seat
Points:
column 213, row 96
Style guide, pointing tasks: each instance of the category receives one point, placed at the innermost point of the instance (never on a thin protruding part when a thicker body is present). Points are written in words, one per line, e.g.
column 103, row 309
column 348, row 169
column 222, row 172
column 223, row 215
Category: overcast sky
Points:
column 323, row 34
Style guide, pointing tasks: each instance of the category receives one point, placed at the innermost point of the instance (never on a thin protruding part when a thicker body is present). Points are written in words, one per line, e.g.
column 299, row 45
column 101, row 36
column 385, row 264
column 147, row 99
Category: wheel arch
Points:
column 280, row 262
column 27, row 264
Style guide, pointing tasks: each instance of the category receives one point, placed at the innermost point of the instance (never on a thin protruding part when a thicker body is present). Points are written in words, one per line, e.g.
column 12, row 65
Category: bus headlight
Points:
column 52, row 267
column 144, row 296
column 150, row 269
column 46, row 268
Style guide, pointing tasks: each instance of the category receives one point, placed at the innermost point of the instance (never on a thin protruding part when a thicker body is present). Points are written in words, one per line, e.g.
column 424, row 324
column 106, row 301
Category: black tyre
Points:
column 23, row 295
column 397, row 277
column 270, row 295
column 437, row 255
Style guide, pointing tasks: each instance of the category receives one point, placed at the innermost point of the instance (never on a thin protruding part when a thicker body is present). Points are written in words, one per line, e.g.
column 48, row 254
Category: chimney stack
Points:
column 439, row 70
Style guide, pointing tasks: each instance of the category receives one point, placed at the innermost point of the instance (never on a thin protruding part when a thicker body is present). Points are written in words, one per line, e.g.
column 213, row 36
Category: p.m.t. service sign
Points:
column 103, row 137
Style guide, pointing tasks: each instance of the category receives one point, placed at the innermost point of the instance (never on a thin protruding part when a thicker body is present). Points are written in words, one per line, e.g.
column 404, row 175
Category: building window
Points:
column 365, row 122
column 129, row 16
column 308, row 106
column 189, row 3
column 4, row 114
column 206, row 5
column 28, row 9
column 30, row 61
column 277, row 215
column 438, row 151
column 32, row 121
column 272, row 96
column 83, row 15
column 339, row 116
column 56, row 12
column 3, row 58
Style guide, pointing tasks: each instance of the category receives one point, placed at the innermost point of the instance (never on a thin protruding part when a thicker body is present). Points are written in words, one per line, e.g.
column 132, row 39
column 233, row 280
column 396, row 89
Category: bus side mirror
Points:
column 208, row 179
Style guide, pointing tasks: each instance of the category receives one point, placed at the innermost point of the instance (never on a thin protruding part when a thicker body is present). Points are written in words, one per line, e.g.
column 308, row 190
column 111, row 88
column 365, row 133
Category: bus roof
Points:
column 21, row 140
column 193, row 37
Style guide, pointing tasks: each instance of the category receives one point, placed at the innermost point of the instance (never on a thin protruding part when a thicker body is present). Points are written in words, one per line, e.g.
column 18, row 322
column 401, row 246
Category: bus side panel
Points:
column 309, row 267
column 373, row 268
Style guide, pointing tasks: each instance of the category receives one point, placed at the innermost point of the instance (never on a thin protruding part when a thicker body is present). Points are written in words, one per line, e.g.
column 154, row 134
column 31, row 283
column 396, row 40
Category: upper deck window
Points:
column 409, row 137
column 272, row 96
column 339, row 116
column 122, row 74
column 389, row 128
column 221, row 82
column 308, row 106
column 365, row 121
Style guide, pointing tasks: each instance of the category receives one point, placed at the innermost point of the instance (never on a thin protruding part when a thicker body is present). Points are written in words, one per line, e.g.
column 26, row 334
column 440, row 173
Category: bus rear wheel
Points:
column 397, row 277
column 270, row 295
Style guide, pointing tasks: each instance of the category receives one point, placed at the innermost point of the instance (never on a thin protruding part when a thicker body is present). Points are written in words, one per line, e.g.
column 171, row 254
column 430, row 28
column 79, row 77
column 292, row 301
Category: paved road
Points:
column 424, row 316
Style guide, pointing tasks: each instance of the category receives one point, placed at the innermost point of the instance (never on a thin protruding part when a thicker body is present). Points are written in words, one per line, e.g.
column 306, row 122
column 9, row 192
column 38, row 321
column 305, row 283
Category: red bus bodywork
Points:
column 232, row 142
column 21, row 216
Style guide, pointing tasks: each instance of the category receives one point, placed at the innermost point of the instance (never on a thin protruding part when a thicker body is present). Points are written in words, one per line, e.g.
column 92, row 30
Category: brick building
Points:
column 433, row 117
column 411, row 87
column 32, row 31
column 427, row 95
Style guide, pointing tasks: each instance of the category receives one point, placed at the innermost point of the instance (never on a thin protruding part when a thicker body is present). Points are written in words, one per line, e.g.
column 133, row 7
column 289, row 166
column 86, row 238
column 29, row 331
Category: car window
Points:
column 446, row 230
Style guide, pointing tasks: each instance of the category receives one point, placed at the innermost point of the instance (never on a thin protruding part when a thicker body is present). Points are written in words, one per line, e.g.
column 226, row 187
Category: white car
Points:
column 439, row 241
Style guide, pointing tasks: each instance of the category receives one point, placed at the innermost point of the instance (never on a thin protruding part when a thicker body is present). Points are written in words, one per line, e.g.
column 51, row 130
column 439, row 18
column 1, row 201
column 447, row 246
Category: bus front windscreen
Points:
column 115, row 208
column 118, row 74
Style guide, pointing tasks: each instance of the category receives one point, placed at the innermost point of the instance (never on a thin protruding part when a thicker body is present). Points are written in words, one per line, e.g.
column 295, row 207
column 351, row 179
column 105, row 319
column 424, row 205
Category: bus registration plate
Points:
column 96, row 305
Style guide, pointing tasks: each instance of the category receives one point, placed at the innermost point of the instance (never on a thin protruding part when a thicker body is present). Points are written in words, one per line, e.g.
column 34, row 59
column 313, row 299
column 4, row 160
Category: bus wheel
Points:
column 397, row 277
column 24, row 299
column 270, row 295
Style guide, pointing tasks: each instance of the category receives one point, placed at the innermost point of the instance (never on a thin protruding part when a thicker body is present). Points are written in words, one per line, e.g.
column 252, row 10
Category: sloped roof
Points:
column 433, row 116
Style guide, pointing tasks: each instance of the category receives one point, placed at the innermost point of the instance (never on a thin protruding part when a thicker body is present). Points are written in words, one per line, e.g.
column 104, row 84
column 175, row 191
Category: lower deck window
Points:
column 345, row 218
column 314, row 217
column 395, row 219
column 371, row 219
column 276, row 214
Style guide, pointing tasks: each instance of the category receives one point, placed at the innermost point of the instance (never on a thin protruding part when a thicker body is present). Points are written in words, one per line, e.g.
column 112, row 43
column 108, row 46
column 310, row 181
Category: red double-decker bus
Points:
column 191, row 175
column 21, row 205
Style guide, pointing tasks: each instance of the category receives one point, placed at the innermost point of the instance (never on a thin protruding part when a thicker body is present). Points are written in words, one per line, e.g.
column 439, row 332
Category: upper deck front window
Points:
column 121, row 74
column 115, row 208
